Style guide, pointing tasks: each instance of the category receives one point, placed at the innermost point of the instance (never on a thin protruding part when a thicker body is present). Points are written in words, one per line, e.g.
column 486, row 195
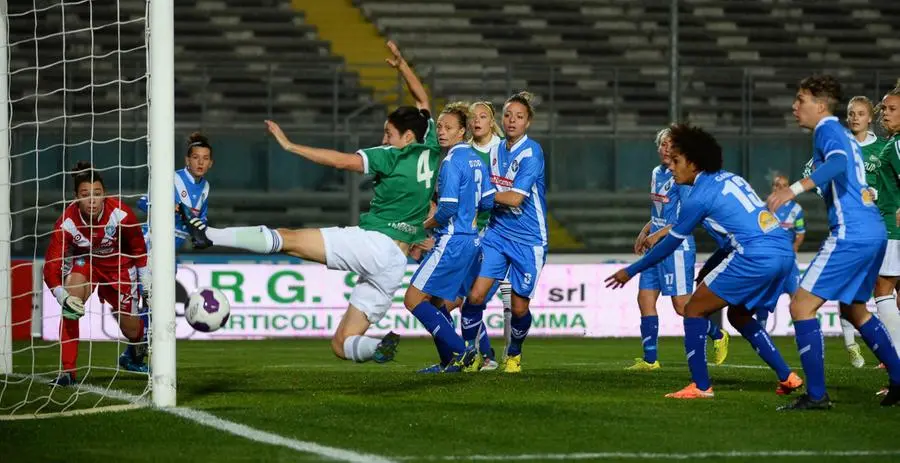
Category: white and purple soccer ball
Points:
column 207, row 310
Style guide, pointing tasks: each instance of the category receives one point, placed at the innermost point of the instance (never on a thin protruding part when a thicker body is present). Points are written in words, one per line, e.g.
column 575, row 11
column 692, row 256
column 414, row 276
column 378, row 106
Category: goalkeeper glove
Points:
column 146, row 285
column 72, row 306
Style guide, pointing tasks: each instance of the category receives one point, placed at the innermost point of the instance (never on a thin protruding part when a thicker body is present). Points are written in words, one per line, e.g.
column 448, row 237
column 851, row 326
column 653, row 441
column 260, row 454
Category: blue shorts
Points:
column 845, row 271
column 520, row 263
column 446, row 267
column 788, row 286
column 674, row 276
column 754, row 282
column 474, row 271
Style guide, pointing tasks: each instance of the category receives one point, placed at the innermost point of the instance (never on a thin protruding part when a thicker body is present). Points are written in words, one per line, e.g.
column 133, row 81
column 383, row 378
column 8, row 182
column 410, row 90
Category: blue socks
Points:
column 520, row 327
column 695, row 332
column 876, row 337
column 714, row 330
column 442, row 349
column 812, row 355
column 650, row 337
column 762, row 316
column 439, row 326
column 473, row 329
column 763, row 346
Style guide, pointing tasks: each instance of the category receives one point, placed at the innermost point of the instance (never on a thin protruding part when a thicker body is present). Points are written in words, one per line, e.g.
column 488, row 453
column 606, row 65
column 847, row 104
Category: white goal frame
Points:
column 161, row 114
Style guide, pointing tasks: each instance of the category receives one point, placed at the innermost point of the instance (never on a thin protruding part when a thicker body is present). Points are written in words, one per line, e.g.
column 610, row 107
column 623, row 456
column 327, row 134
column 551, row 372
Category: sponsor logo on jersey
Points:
column 501, row 181
column 404, row 227
column 658, row 198
column 767, row 221
column 868, row 198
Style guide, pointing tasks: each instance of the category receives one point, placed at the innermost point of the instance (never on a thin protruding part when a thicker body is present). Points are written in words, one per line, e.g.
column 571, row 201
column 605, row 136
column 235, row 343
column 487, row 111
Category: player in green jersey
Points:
column 860, row 115
column 888, row 200
column 405, row 169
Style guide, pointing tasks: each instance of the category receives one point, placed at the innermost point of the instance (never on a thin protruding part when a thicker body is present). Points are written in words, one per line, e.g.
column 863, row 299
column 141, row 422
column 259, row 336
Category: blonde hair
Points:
column 662, row 135
column 880, row 108
column 495, row 127
column 525, row 98
column 460, row 109
column 864, row 100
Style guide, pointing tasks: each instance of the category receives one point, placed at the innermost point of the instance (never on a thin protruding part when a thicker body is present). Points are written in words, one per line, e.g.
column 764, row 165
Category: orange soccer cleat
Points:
column 791, row 384
column 691, row 391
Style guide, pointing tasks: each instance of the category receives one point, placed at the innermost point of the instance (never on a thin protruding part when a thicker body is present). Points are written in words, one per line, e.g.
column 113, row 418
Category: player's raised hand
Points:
column 617, row 280
column 779, row 198
column 396, row 58
column 279, row 135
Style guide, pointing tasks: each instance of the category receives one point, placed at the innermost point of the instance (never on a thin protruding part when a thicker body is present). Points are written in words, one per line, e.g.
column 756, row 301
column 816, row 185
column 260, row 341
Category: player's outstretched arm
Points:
column 416, row 89
column 322, row 156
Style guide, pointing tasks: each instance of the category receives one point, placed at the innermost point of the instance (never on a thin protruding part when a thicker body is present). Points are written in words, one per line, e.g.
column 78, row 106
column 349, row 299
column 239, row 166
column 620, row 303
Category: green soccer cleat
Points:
column 856, row 357
column 720, row 349
column 387, row 348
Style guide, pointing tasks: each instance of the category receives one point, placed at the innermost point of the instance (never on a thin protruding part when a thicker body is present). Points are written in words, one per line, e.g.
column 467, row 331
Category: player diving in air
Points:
column 404, row 168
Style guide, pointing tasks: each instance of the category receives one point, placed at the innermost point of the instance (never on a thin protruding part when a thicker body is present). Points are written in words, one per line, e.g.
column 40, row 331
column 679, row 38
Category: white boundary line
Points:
column 78, row 412
column 659, row 456
column 237, row 429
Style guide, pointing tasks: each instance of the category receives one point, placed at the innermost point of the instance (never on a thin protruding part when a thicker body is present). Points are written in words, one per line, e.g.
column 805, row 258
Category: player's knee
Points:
column 337, row 345
column 738, row 317
column 519, row 306
column 884, row 286
column 475, row 297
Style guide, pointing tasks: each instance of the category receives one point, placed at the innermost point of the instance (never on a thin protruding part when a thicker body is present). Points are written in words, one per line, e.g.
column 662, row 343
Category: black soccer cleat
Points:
column 197, row 230
column 892, row 397
column 805, row 402
column 387, row 348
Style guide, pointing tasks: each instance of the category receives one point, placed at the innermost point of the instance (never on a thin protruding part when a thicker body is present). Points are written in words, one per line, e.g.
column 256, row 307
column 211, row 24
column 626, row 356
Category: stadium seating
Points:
column 231, row 58
column 602, row 64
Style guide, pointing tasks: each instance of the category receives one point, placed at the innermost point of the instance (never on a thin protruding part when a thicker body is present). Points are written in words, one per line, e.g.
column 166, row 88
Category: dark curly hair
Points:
column 697, row 146
column 83, row 172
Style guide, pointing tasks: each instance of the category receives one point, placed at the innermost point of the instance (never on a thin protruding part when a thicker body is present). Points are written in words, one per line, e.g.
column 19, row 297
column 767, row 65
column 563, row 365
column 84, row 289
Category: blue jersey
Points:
column 717, row 233
column 736, row 211
column 790, row 215
column 852, row 214
column 464, row 181
column 191, row 195
column 520, row 169
column 666, row 196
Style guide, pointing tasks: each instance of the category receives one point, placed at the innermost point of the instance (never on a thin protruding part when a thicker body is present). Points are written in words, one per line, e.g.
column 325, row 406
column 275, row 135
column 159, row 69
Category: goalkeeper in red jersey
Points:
column 97, row 243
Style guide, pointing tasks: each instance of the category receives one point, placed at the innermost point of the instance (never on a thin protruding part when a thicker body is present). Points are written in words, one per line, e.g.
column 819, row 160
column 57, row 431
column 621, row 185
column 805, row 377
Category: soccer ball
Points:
column 207, row 310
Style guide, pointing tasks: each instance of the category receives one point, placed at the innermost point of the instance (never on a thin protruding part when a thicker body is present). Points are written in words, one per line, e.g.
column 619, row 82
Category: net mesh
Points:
column 77, row 92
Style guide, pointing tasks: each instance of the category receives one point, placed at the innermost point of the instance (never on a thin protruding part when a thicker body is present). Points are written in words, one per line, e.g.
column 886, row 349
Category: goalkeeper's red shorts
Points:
column 116, row 287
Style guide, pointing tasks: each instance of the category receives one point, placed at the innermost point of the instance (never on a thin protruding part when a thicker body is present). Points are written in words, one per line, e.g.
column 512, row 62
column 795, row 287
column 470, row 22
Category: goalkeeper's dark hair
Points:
column 697, row 146
column 84, row 172
column 410, row 118
column 198, row 140
column 824, row 87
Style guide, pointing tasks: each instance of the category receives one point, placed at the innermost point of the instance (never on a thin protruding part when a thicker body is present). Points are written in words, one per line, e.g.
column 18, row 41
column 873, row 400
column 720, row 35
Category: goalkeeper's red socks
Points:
column 68, row 336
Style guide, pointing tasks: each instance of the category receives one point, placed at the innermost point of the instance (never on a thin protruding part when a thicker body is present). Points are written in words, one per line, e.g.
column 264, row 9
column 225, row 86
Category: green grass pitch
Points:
column 572, row 398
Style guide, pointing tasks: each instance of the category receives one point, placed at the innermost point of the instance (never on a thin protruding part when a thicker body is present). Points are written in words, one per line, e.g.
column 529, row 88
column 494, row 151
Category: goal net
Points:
column 77, row 87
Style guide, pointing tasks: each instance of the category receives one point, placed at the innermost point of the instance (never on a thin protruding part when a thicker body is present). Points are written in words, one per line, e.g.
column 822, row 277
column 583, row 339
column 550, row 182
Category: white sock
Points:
column 849, row 332
column 890, row 316
column 506, row 295
column 360, row 348
column 259, row 239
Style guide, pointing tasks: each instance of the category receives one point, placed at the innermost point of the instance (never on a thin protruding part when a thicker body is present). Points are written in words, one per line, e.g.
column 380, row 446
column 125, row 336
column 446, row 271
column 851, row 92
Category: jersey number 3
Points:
column 423, row 170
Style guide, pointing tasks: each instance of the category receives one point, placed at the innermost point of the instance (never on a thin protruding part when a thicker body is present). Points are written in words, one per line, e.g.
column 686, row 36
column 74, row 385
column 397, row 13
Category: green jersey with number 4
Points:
column 484, row 152
column 404, row 183
column 882, row 159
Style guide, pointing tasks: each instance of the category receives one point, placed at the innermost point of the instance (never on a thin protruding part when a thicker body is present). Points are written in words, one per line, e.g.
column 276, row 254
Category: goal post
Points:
column 5, row 212
column 161, row 94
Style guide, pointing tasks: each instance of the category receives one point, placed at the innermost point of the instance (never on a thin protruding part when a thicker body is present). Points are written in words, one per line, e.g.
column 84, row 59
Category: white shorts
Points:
column 890, row 266
column 380, row 264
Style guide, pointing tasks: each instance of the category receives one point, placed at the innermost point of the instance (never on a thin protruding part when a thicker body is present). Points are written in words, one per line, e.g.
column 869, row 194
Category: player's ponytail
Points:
column 84, row 172
column 410, row 118
column 198, row 140
column 524, row 98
